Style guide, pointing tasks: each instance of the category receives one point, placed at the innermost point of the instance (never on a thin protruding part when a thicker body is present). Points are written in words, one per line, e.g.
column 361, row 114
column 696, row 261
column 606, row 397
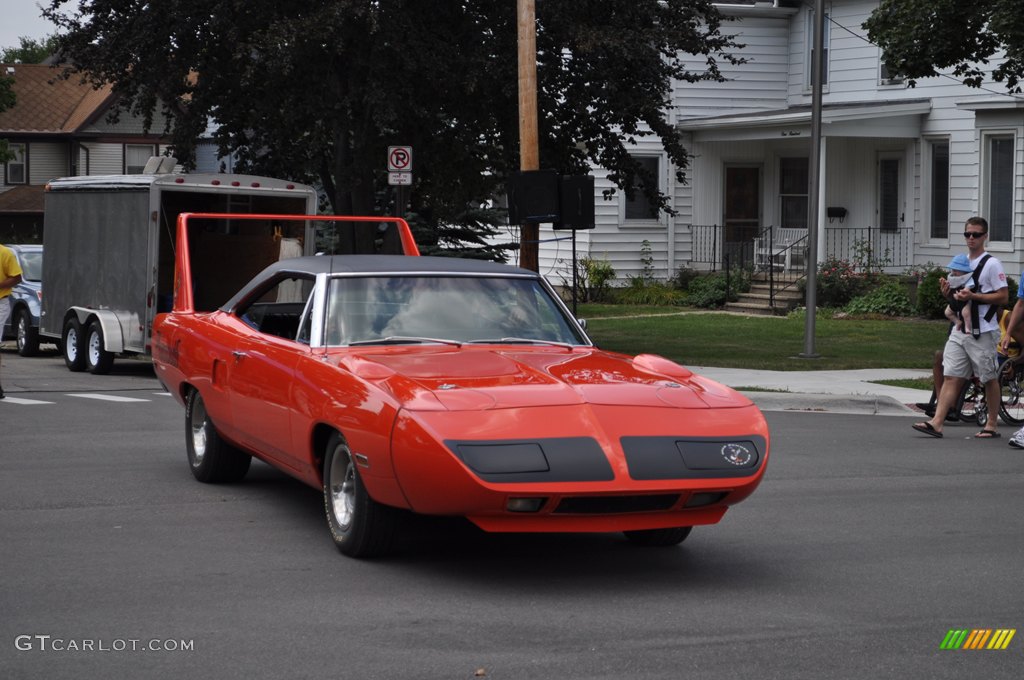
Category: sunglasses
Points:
column 973, row 234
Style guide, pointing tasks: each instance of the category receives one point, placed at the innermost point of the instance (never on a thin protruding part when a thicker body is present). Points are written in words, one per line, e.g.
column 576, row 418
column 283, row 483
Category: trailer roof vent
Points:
column 159, row 165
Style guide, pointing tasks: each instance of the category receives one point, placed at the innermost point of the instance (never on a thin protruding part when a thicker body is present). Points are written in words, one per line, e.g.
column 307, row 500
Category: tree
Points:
column 921, row 37
column 7, row 100
column 317, row 89
column 29, row 51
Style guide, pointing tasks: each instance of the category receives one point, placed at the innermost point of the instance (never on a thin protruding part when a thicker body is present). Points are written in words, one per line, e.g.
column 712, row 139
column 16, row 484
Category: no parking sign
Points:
column 400, row 159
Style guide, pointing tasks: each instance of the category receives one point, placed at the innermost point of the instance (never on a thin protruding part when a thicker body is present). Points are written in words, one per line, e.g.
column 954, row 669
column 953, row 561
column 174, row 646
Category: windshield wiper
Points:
column 405, row 340
column 521, row 341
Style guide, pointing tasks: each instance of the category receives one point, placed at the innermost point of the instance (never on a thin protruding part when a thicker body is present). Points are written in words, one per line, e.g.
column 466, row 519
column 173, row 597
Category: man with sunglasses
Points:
column 973, row 352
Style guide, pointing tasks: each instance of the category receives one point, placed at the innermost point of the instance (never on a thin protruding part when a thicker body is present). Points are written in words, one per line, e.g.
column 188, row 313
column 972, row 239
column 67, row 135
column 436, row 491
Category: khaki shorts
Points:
column 965, row 356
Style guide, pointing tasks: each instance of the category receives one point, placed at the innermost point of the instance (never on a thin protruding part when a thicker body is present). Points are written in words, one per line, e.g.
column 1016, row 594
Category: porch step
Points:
column 758, row 300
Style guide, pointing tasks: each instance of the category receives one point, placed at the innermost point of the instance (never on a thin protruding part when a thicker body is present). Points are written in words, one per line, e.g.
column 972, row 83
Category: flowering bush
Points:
column 838, row 282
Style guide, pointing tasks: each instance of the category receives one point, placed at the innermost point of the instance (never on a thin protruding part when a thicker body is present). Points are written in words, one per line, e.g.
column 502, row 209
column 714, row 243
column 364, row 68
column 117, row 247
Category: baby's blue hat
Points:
column 960, row 263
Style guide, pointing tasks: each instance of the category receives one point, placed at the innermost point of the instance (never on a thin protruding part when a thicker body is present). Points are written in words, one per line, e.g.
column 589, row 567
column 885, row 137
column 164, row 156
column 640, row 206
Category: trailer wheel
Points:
column 97, row 359
column 71, row 342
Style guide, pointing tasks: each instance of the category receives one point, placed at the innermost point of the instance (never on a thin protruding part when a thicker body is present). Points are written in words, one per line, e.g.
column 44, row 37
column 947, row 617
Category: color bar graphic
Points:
column 978, row 638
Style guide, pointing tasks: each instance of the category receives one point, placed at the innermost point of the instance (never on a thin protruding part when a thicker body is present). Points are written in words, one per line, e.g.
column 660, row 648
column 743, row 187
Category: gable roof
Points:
column 49, row 104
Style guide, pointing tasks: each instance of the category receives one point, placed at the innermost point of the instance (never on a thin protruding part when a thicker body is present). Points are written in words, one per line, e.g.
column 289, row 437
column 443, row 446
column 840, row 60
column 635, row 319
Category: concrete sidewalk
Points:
column 824, row 391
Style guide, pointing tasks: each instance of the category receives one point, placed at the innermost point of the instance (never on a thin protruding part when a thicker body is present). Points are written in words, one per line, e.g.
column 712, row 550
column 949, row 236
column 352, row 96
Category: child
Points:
column 959, row 313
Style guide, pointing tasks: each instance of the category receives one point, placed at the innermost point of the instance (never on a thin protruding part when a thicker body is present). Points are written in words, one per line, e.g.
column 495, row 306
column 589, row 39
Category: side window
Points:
column 640, row 207
column 810, row 49
column 136, row 156
column 999, row 185
column 16, row 173
column 794, row 183
column 281, row 308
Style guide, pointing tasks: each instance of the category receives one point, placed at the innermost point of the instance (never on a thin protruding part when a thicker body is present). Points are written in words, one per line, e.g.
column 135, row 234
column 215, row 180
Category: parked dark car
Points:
column 26, row 300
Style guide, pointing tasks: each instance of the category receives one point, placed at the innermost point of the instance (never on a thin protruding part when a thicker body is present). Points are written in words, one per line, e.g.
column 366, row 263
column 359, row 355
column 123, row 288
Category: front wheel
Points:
column 211, row 459
column 359, row 525
column 27, row 334
column 659, row 538
column 97, row 359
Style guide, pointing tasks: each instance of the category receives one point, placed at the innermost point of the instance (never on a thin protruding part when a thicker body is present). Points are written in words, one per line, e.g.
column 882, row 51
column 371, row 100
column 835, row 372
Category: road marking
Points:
column 26, row 402
column 106, row 397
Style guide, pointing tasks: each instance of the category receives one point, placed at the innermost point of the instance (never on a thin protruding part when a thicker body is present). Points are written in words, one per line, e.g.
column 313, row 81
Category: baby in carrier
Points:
column 959, row 312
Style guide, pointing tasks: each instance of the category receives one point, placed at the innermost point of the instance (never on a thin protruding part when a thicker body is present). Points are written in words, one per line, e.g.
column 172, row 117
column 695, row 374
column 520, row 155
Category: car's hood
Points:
column 481, row 378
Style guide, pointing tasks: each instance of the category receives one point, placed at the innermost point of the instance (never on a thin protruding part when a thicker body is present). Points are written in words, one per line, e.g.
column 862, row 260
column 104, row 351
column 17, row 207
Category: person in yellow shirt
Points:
column 10, row 276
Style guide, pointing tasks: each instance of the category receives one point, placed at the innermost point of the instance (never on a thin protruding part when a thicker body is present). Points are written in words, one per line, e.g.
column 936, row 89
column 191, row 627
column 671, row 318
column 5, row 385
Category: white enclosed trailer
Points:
column 109, row 252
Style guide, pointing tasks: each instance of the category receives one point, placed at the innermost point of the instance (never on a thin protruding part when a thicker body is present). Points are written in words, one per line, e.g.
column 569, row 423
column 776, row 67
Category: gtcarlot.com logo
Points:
column 978, row 638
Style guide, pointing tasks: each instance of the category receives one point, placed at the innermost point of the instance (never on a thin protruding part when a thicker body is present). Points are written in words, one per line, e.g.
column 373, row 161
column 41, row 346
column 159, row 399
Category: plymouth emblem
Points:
column 737, row 454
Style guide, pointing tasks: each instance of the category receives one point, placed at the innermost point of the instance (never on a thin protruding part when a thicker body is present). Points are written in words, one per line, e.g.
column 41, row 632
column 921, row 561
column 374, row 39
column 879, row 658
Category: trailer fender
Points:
column 113, row 338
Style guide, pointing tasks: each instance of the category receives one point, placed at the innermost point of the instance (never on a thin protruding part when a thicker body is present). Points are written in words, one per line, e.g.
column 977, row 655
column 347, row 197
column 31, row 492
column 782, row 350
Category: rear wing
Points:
column 234, row 247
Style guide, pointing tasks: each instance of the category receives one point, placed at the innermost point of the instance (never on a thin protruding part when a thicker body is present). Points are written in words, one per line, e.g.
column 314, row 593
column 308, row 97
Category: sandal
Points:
column 927, row 429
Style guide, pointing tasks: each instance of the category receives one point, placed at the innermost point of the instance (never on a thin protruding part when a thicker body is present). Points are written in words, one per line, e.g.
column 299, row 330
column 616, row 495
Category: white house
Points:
column 902, row 168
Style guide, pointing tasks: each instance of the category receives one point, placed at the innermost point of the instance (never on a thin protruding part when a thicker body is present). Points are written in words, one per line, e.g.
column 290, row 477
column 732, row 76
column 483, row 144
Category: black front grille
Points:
column 614, row 505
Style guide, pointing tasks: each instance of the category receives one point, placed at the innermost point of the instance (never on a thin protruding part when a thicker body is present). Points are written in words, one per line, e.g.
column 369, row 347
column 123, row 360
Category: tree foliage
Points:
column 29, row 50
column 922, row 37
column 319, row 89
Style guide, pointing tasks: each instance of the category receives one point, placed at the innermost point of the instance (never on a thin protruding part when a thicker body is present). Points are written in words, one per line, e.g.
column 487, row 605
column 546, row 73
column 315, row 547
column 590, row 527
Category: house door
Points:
column 742, row 211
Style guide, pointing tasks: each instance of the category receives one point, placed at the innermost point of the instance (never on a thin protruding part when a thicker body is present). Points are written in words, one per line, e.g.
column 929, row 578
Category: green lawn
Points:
column 728, row 340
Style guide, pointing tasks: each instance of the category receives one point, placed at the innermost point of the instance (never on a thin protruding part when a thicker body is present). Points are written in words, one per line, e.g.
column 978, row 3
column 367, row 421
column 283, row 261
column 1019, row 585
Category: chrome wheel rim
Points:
column 22, row 331
column 71, row 345
column 95, row 347
column 342, row 487
column 198, row 425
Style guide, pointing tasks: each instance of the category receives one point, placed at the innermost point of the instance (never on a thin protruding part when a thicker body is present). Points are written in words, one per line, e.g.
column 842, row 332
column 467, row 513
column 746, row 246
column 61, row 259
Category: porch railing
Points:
column 868, row 249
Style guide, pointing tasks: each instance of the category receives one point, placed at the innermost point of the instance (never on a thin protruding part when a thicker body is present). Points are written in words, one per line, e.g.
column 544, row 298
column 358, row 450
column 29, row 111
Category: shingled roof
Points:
column 49, row 104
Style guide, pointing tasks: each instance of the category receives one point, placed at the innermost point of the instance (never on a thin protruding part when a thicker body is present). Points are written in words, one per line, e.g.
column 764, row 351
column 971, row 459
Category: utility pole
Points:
column 529, row 154
column 817, row 78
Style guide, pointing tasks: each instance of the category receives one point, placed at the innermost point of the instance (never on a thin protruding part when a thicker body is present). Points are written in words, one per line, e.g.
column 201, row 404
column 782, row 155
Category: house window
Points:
column 810, row 49
column 16, row 173
column 890, row 212
column 640, row 207
column 998, row 201
column 886, row 78
column 938, row 200
column 794, row 182
column 136, row 156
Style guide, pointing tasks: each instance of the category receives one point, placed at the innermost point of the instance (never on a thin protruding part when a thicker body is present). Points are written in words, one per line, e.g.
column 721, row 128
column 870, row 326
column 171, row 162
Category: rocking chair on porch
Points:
column 780, row 249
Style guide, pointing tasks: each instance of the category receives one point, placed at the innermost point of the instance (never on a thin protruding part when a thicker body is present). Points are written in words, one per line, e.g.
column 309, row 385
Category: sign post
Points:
column 400, row 175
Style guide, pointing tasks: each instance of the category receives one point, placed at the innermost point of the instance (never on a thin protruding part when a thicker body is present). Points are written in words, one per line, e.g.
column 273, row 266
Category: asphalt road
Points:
column 864, row 546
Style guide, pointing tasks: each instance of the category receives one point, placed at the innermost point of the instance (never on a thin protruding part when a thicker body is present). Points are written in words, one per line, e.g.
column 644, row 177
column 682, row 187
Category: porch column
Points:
column 822, row 203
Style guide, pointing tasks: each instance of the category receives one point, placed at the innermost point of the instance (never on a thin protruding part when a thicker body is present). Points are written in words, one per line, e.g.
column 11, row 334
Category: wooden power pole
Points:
column 529, row 154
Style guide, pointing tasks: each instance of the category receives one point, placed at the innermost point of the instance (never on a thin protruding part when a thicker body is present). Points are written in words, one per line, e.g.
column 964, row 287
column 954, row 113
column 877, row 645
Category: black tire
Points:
column 26, row 334
column 73, row 345
column 211, row 459
column 1011, row 394
column 359, row 525
column 97, row 359
column 658, row 538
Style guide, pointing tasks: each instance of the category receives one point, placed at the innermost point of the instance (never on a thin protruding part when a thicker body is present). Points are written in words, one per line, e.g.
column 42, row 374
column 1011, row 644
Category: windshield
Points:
column 31, row 265
column 460, row 309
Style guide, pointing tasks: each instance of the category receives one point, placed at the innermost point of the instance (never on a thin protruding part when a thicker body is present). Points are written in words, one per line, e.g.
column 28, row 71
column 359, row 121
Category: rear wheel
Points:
column 72, row 345
column 211, row 459
column 27, row 334
column 97, row 359
column 659, row 538
column 360, row 526
column 1011, row 399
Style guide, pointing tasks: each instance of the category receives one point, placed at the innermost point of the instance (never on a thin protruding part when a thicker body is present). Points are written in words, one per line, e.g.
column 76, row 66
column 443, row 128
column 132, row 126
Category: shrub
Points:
column 838, row 282
column 709, row 291
column 930, row 302
column 889, row 299
column 683, row 278
column 641, row 292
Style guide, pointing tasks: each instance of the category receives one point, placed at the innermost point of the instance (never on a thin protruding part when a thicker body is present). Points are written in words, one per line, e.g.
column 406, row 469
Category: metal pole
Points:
column 529, row 155
column 817, row 72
